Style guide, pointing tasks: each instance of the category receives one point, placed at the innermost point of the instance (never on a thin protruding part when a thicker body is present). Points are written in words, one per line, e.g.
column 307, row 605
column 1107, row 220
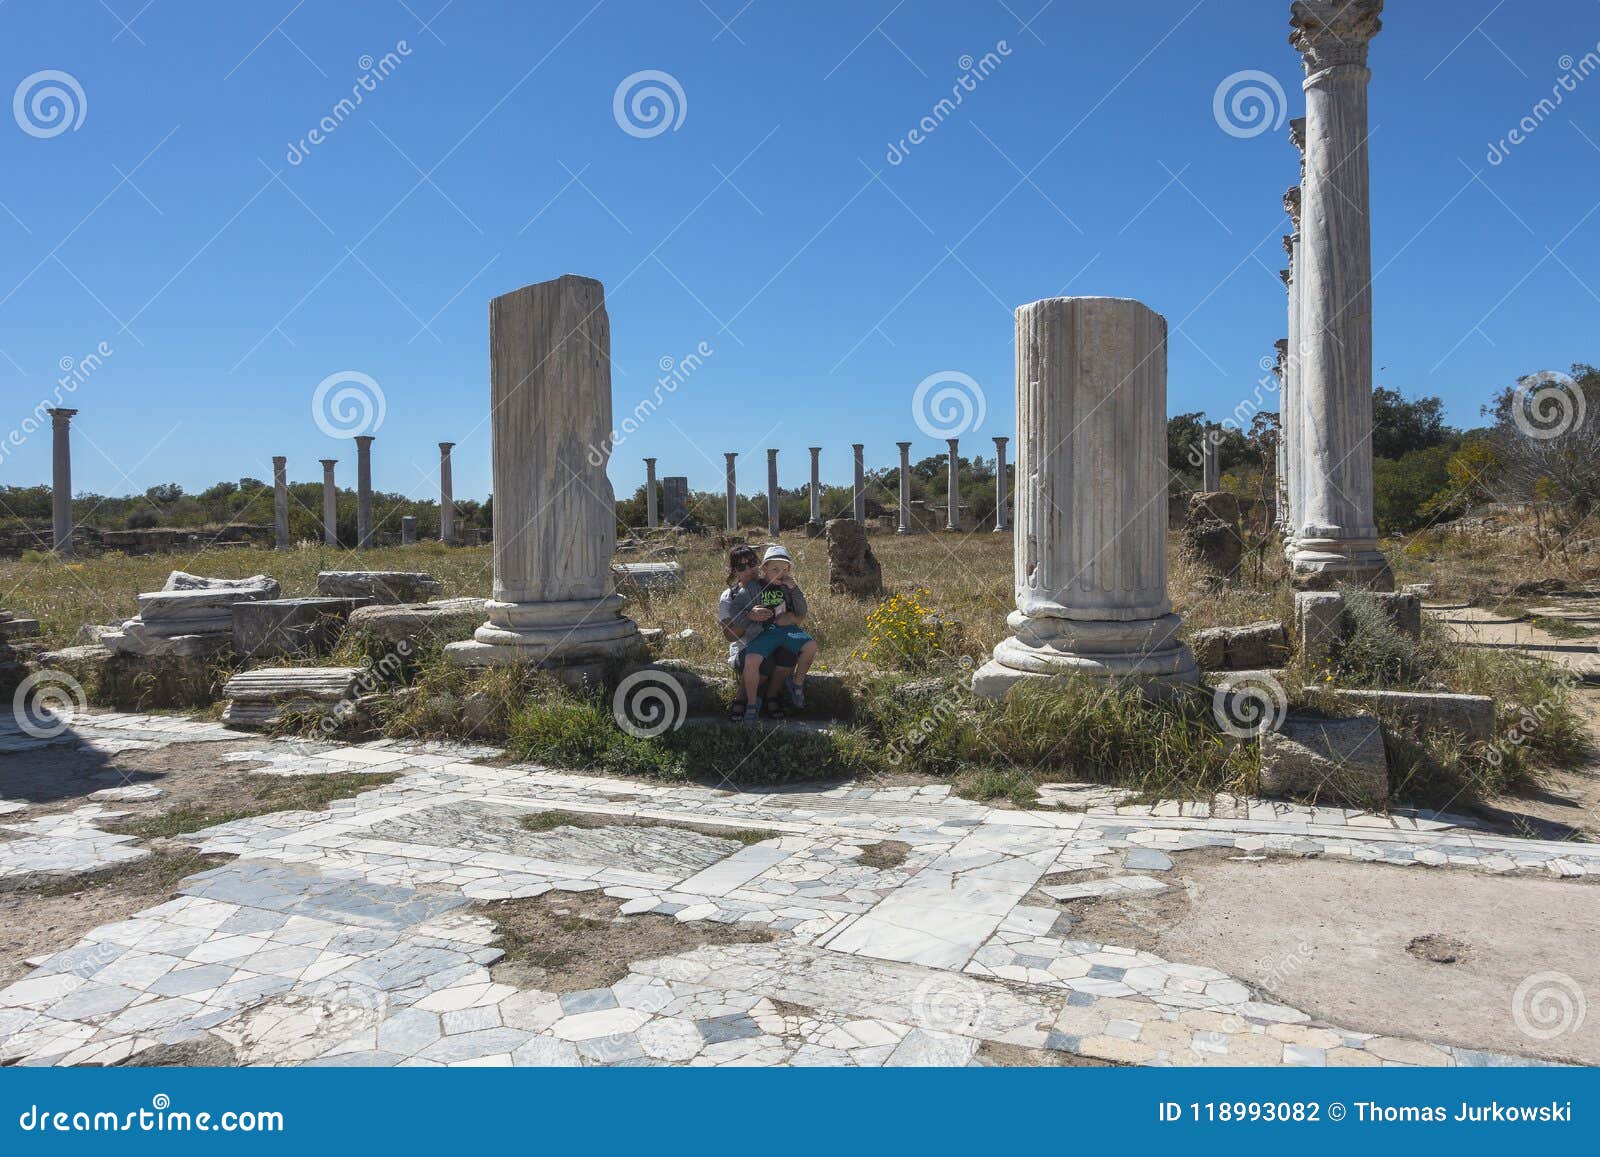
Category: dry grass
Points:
column 1489, row 571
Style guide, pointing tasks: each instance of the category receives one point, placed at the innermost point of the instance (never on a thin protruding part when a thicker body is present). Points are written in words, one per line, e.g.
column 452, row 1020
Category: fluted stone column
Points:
column 772, row 493
column 555, row 602
column 280, row 503
column 447, row 496
column 61, row 480
column 952, row 486
column 904, row 525
column 859, row 507
column 1090, row 561
column 1001, row 523
column 363, row 491
column 1280, row 464
column 733, row 491
column 1210, row 460
column 1336, row 540
column 651, row 516
column 1289, row 406
column 408, row 530
column 330, row 503
column 815, row 522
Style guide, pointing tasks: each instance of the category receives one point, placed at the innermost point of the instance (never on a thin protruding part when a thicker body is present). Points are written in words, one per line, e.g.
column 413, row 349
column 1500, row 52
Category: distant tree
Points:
column 1400, row 427
column 1547, row 436
column 164, row 494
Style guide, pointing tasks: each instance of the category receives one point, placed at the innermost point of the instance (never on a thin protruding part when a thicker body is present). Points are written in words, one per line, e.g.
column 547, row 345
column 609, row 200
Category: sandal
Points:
column 776, row 710
column 797, row 693
column 752, row 713
column 736, row 711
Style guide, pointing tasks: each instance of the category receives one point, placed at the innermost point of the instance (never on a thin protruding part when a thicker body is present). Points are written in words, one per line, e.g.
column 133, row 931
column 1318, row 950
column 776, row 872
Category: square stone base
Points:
column 995, row 681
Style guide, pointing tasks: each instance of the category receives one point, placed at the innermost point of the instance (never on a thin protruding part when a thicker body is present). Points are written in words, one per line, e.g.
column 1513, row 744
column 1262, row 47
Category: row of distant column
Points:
column 859, row 505
column 330, row 500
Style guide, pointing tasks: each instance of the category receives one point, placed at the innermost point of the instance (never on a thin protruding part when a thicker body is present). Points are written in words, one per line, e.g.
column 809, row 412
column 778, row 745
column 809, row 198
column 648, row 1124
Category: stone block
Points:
column 1326, row 761
column 257, row 699
column 276, row 627
column 419, row 624
column 1262, row 644
column 1215, row 545
column 135, row 681
column 1214, row 506
column 1404, row 608
column 1318, row 625
column 1471, row 717
column 12, row 628
column 852, row 567
column 648, row 576
column 378, row 586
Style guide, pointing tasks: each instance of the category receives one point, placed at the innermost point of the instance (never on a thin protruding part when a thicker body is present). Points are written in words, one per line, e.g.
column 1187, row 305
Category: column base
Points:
column 1324, row 564
column 557, row 636
column 1143, row 652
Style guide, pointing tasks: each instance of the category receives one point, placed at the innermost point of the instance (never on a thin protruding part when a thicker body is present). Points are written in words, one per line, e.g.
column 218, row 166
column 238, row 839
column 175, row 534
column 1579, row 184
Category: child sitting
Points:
column 782, row 595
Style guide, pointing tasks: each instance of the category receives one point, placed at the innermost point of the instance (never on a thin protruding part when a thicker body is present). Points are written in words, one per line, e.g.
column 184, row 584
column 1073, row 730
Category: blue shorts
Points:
column 770, row 641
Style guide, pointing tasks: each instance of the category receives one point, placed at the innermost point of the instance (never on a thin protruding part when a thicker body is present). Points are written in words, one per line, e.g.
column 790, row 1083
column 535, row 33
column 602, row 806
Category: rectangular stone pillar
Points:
column 447, row 496
column 650, row 515
column 1002, row 521
column 408, row 530
column 330, row 503
column 903, row 519
column 733, row 492
column 363, row 491
column 814, row 524
column 555, row 530
column 1090, row 559
column 1336, row 540
column 773, row 519
column 280, row 503
column 1210, row 459
column 859, row 508
column 675, row 495
column 61, row 480
column 952, row 489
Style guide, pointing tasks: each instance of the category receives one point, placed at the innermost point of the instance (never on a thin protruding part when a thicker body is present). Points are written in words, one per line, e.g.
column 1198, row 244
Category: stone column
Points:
column 1210, row 459
column 408, row 530
column 1090, row 561
column 904, row 524
column 859, row 506
column 364, row 491
column 555, row 602
column 772, row 493
column 61, row 479
column 1336, row 539
column 447, row 496
column 1001, row 523
column 1289, row 407
column 280, row 503
column 952, row 487
column 330, row 503
column 1280, row 466
column 815, row 522
column 733, row 492
column 651, row 517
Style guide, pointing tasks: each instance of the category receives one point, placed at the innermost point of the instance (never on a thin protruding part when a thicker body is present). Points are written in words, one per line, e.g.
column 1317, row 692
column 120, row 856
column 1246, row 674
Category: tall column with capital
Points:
column 280, row 502
column 1001, row 521
column 61, row 479
column 363, row 491
column 1090, row 549
column 815, row 522
column 952, row 487
column 651, row 517
column 447, row 496
column 733, row 493
column 1280, row 462
column 772, row 493
column 330, row 503
column 1289, row 407
column 904, row 525
column 859, row 509
column 1336, row 539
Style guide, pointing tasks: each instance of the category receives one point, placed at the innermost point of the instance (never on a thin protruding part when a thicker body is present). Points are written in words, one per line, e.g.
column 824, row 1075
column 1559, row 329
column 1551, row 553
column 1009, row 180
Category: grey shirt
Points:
column 733, row 610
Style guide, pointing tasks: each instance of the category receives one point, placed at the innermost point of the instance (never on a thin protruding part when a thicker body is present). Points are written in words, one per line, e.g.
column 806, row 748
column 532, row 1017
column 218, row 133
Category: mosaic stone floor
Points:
column 344, row 936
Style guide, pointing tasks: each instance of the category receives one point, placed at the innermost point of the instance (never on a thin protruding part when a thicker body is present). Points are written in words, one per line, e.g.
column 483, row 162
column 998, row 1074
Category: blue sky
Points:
column 828, row 282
